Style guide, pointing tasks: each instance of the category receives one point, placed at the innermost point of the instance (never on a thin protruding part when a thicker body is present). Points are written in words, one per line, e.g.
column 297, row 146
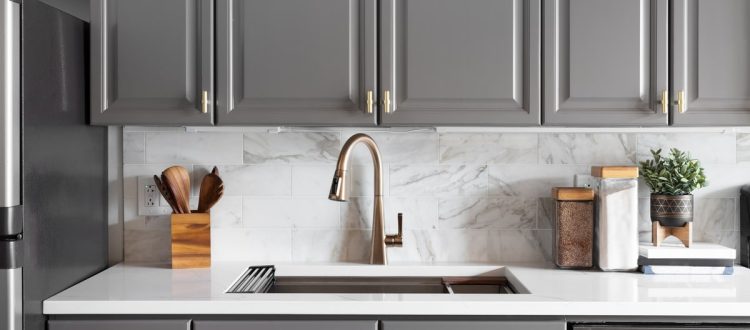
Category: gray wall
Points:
column 477, row 195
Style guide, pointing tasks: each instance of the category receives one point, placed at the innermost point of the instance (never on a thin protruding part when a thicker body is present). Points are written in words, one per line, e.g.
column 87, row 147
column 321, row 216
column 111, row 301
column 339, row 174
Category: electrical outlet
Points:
column 150, row 196
column 584, row 181
column 150, row 199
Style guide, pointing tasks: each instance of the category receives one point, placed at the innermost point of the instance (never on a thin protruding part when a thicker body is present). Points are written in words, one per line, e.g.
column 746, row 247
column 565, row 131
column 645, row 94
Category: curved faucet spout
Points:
column 339, row 191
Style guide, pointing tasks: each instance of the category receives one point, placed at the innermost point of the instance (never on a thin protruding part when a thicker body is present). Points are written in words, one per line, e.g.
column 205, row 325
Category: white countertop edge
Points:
column 529, row 308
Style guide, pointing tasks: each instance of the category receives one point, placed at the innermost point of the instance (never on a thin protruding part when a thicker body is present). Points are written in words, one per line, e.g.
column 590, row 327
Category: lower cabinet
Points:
column 118, row 324
column 284, row 325
column 473, row 325
column 658, row 327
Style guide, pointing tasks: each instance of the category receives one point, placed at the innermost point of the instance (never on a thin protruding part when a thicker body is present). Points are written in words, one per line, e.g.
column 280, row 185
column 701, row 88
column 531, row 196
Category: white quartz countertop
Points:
column 154, row 289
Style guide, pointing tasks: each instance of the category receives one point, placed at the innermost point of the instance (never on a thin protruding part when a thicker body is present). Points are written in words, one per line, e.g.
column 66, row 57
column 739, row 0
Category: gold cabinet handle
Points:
column 665, row 101
column 204, row 102
column 681, row 101
column 369, row 101
column 387, row 101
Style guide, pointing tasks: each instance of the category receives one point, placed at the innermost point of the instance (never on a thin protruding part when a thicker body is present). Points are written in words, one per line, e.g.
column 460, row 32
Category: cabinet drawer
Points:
column 118, row 325
column 285, row 325
column 473, row 325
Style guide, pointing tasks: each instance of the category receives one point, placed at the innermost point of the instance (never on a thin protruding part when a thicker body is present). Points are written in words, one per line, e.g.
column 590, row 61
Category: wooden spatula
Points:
column 166, row 193
column 212, row 189
column 177, row 180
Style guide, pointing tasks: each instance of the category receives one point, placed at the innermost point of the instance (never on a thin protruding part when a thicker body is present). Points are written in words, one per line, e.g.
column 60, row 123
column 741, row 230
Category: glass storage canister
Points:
column 574, row 227
column 616, row 189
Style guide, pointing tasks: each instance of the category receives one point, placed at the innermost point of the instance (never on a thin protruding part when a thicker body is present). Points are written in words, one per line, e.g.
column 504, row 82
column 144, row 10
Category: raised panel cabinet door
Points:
column 151, row 62
column 118, row 325
column 296, row 62
column 711, row 62
column 474, row 325
column 460, row 63
column 605, row 62
column 285, row 325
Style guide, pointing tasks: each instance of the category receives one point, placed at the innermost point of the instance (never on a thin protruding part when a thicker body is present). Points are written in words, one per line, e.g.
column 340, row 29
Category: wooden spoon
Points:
column 178, row 181
column 166, row 193
column 212, row 189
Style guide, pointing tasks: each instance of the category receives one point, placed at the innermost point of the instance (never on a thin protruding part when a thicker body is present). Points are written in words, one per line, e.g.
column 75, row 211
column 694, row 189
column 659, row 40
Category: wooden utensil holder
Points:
column 191, row 240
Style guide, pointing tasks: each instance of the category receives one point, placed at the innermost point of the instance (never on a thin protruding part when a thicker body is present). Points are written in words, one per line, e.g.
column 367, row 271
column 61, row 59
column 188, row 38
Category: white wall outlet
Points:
column 584, row 181
column 149, row 198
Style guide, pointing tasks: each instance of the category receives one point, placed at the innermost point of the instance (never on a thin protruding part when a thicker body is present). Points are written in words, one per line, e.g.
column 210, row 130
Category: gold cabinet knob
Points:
column 204, row 102
column 681, row 101
column 369, row 102
column 665, row 101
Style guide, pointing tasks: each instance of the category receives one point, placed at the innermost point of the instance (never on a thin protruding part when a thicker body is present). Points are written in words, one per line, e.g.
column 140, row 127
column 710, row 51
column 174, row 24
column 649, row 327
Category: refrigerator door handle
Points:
column 11, row 299
column 10, row 104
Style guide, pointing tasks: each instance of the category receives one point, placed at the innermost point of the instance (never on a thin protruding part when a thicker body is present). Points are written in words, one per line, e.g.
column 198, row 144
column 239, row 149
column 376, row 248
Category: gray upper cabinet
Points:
column 711, row 62
column 474, row 325
column 469, row 62
column 285, row 325
column 605, row 62
column 152, row 62
column 296, row 62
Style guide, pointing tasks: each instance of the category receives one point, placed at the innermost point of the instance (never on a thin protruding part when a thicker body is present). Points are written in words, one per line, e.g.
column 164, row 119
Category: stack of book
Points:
column 674, row 258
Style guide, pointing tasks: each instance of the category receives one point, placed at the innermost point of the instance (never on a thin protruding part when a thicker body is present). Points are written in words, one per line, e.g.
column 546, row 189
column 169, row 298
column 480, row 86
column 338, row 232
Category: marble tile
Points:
column 293, row 147
column 249, row 180
column 418, row 213
column 587, row 148
column 397, row 147
column 133, row 148
column 520, row 245
column 709, row 148
column 290, row 212
column 443, row 180
column 460, row 245
column 531, row 180
column 331, row 245
column 251, row 244
column 227, row 213
column 361, row 180
column 194, row 148
column 312, row 180
column 644, row 220
column 743, row 149
column 713, row 215
column 487, row 213
column 488, row 148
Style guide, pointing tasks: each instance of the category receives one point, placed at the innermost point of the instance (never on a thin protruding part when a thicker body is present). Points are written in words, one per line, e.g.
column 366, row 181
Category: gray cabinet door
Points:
column 151, row 61
column 296, row 62
column 711, row 62
column 605, row 62
column 285, row 325
column 118, row 325
column 469, row 62
column 474, row 325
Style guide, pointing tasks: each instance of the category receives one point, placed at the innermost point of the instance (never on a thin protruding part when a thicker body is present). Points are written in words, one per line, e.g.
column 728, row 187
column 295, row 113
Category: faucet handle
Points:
column 398, row 239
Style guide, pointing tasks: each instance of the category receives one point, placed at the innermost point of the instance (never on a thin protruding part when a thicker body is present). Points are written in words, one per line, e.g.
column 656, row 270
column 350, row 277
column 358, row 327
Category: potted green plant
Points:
column 672, row 180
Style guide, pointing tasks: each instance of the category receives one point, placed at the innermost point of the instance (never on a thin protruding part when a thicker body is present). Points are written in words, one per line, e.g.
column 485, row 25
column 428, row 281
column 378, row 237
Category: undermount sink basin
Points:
column 269, row 283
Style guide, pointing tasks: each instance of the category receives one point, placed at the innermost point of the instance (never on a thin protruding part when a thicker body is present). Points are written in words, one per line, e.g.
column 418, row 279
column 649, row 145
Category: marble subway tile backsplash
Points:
column 466, row 196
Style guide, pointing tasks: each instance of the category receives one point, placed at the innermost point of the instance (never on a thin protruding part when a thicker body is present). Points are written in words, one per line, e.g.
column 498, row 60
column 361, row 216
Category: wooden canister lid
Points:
column 572, row 194
column 614, row 172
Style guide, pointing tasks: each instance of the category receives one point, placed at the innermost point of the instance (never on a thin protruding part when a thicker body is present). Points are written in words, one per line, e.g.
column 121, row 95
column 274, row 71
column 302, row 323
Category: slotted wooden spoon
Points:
column 212, row 189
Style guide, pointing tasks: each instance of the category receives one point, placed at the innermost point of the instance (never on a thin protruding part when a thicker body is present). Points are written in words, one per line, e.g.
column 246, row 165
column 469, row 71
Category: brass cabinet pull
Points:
column 204, row 102
column 681, row 101
column 369, row 101
column 387, row 101
column 664, row 101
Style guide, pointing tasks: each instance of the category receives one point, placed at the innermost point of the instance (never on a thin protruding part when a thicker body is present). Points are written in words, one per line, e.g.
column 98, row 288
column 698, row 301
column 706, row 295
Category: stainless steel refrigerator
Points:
column 53, row 167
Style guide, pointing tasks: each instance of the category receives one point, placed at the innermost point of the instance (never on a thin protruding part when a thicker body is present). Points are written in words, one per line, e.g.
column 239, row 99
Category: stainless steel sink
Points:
column 247, row 283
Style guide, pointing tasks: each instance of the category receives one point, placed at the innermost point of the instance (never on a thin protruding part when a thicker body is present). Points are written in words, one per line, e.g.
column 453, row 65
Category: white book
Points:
column 698, row 250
